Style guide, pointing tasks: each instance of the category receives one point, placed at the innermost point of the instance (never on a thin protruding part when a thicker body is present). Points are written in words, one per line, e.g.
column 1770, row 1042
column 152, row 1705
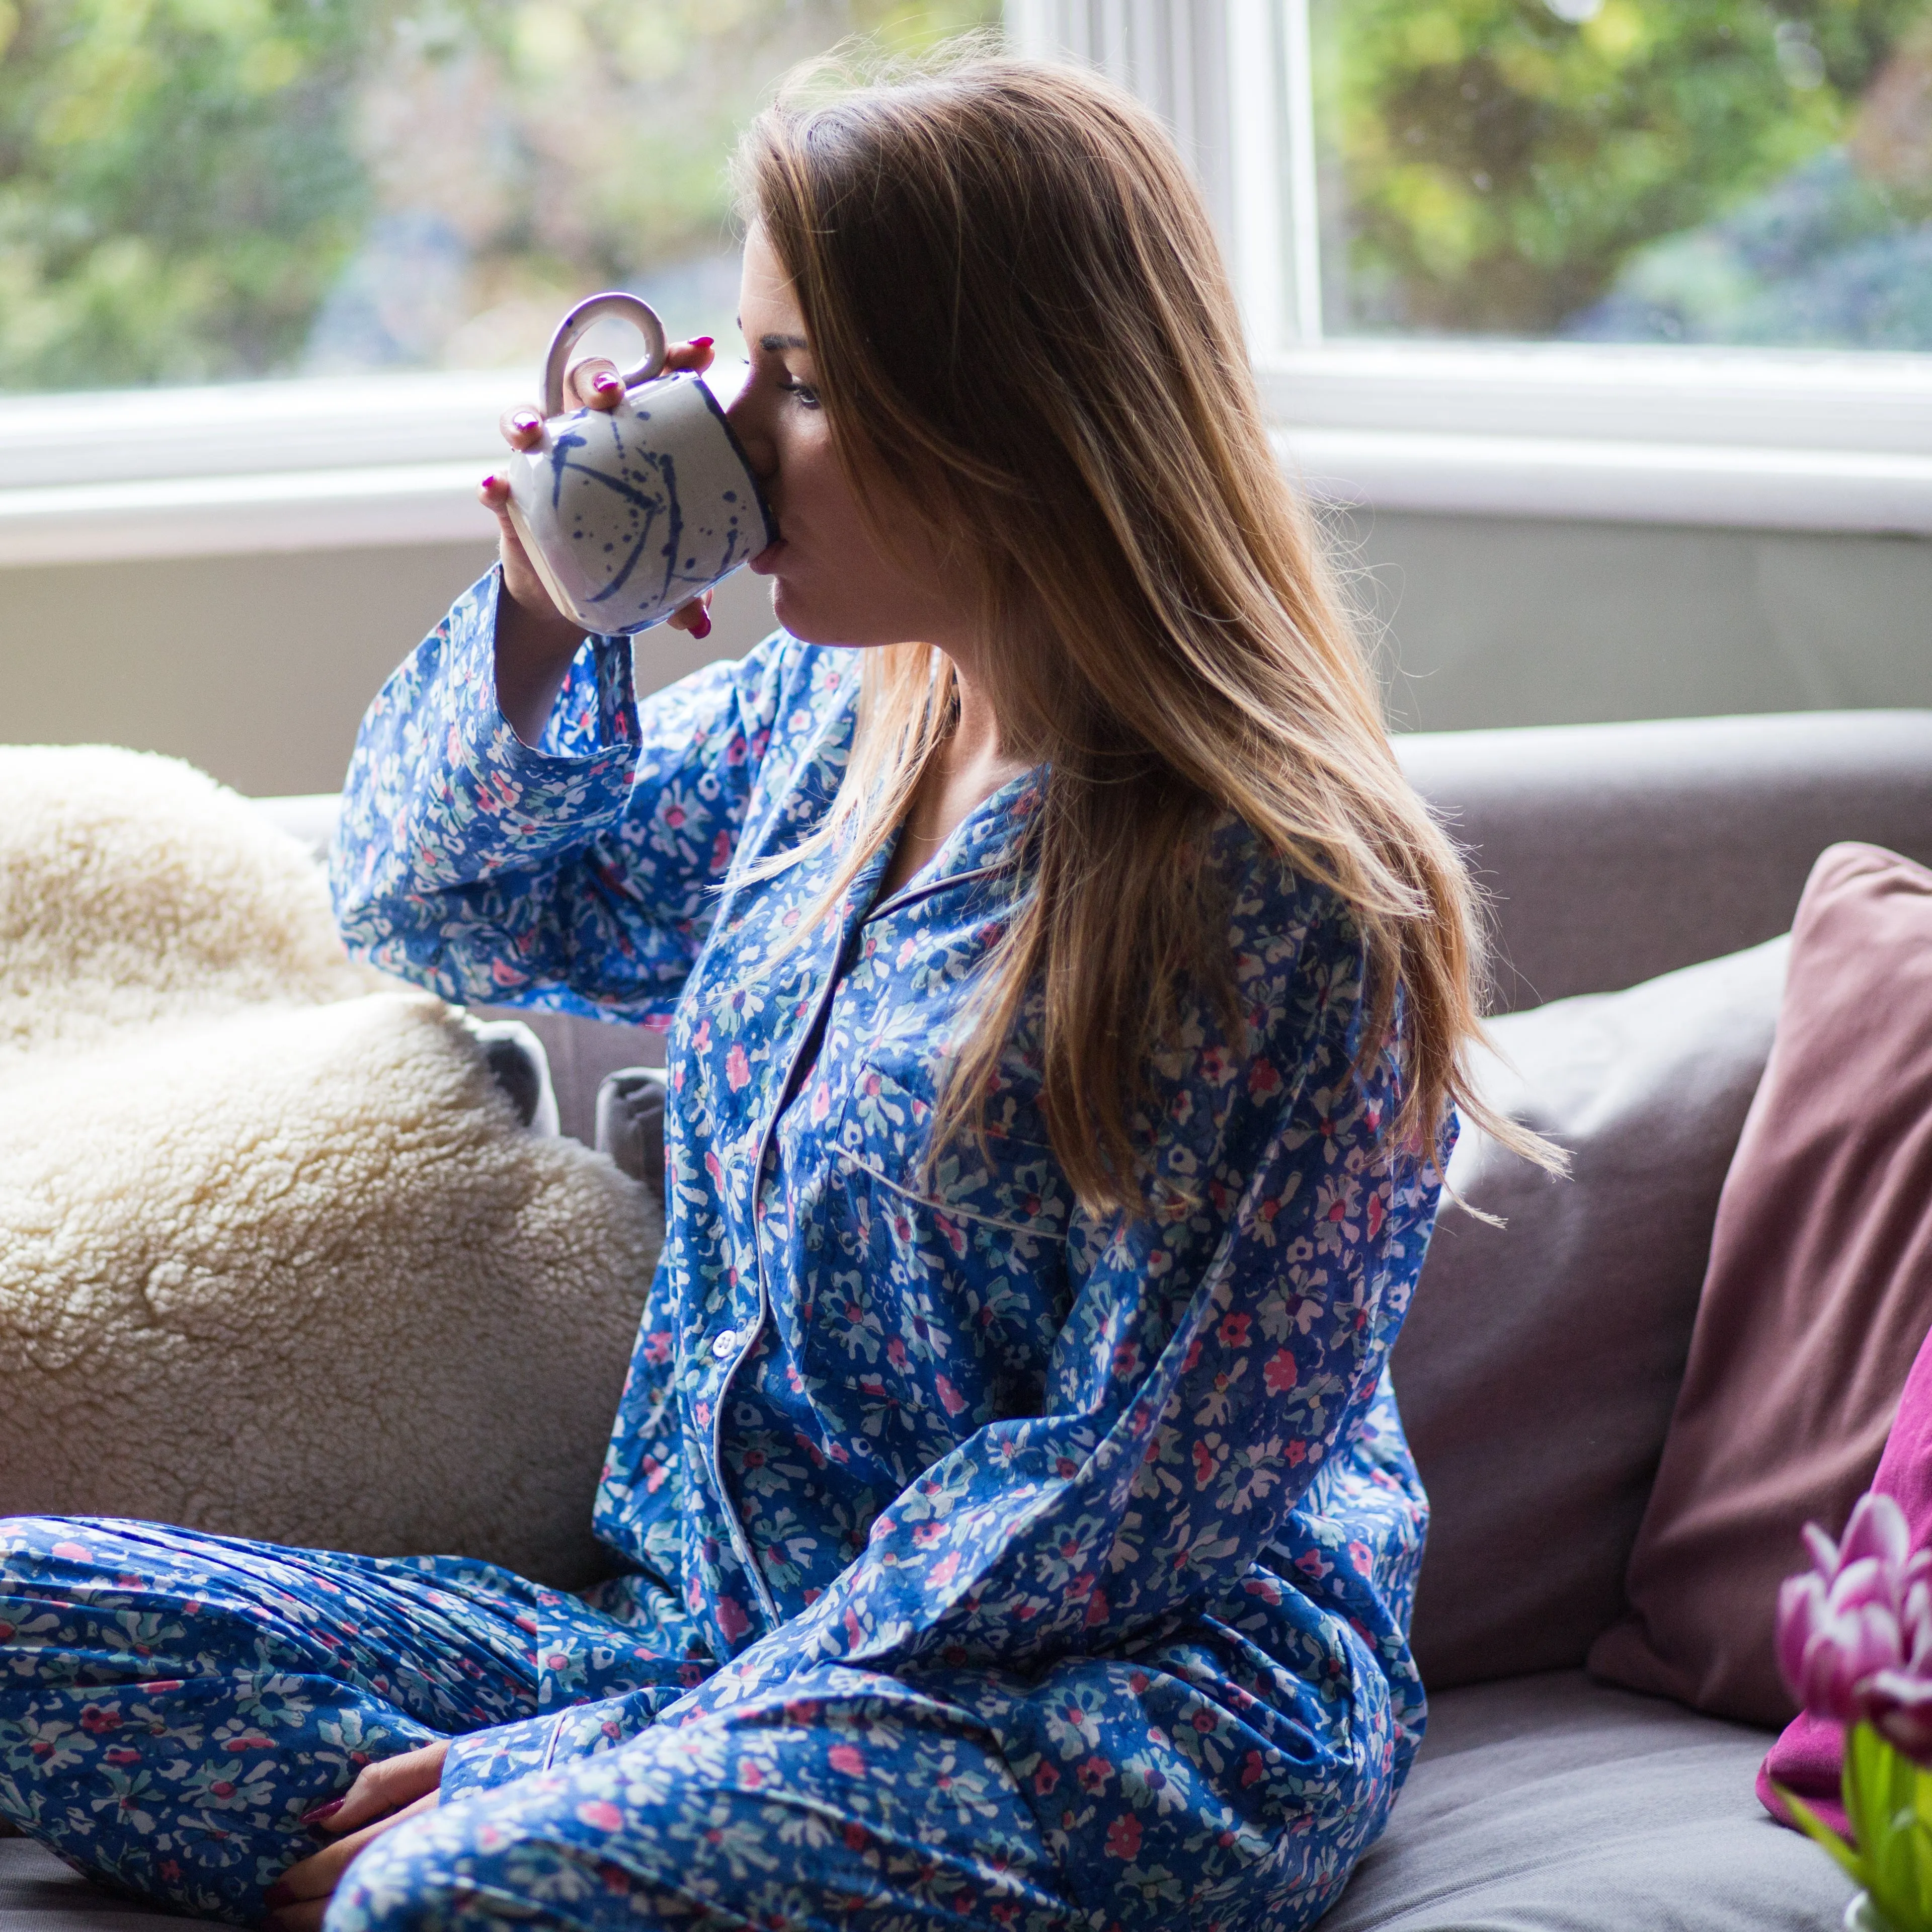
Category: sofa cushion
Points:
column 1616, row 852
column 39, row 1894
column 1546, row 1801
column 1538, row 1365
column 1552, row 1802
column 1819, row 1295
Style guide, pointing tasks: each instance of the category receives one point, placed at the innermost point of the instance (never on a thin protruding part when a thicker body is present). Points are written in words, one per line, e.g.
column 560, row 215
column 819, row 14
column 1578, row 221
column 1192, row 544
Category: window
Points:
column 1666, row 260
column 1658, row 260
column 1752, row 172
column 269, row 269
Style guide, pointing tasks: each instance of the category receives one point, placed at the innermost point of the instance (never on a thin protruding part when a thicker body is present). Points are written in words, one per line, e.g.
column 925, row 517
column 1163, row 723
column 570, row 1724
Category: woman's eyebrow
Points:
column 771, row 344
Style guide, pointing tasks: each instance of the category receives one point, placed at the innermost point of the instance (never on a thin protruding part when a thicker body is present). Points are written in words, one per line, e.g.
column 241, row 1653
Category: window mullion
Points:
column 1257, row 230
column 1304, row 215
column 1213, row 69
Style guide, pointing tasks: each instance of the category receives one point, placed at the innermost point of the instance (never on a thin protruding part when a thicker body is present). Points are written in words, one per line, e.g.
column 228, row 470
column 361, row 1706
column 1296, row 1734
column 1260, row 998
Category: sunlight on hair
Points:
column 1031, row 357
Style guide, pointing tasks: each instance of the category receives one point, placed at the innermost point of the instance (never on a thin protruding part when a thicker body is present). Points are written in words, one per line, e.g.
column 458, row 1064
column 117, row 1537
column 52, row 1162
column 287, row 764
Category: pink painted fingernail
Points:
column 321, row 1812
column 604, row 383
column 702, row 341
column 490, row 481
column 702, row 629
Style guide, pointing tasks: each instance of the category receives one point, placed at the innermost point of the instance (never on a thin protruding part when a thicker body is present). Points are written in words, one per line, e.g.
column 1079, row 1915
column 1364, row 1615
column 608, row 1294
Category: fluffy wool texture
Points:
column 276, row 1257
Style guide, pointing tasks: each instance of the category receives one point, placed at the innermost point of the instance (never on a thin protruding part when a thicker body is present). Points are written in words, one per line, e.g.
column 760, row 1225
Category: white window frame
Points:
column 328, row 463
column 1759, row 438
column 1750, row 439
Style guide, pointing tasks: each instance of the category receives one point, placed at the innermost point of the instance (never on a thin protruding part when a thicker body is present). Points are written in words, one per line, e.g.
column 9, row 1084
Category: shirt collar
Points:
column 991, row 837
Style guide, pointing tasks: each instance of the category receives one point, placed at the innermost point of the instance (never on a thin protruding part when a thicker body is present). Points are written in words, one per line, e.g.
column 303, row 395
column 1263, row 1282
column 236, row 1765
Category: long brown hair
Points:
column 1021, row 325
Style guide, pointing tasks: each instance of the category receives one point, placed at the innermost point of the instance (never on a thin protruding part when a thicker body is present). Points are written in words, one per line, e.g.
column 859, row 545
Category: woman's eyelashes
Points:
column 808, row 396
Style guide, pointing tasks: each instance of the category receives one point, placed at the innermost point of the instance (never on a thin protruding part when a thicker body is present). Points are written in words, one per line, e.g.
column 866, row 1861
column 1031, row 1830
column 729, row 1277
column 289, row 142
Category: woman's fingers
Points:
column 315, row 1878
column 595, row 383
column 694, row 616
column 383, row 1787
column 521, row 428
column 523, row 590
column 696, row 355
column 493, row 493
column 297, row 1901
column 519, row 577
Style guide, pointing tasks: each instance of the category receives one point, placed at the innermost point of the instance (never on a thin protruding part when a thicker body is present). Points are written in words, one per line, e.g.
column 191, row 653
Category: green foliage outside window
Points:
column 198, row 189
column 1686, row 170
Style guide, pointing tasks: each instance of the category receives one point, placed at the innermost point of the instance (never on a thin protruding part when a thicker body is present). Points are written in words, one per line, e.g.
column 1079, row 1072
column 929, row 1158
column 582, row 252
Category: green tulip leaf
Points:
column 1845, row 1856
column 1889, row 1804
column 1921, row 1841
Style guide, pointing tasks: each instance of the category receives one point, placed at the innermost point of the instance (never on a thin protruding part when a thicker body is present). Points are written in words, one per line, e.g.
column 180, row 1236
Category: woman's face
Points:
column 830, row 583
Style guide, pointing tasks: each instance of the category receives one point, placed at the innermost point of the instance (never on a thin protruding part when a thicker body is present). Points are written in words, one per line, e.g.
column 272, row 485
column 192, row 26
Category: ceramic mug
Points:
column 629, row 512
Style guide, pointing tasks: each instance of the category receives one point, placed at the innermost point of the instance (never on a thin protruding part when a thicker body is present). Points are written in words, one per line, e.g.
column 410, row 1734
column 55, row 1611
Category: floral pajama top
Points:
column 950, row 1430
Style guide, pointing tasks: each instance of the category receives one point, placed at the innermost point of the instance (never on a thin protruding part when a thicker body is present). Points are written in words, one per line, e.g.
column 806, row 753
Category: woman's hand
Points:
column 592, row 384
column 382, row 1796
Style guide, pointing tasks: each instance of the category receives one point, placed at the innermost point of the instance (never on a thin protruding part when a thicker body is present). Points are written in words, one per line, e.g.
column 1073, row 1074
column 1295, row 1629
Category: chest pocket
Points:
column 883, row 1132
column 945, row 1292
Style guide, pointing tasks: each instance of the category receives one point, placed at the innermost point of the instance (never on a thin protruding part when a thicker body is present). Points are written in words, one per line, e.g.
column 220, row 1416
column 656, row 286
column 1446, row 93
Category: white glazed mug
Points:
column 628, row 513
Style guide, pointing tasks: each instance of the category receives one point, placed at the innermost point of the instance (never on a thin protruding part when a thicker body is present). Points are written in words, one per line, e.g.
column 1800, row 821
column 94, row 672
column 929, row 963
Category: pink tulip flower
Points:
column 1898, row 1706
column 1854, row 1632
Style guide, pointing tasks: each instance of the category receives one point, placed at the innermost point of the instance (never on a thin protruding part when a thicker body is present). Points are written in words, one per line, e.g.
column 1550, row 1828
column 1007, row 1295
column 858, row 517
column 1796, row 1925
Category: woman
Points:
column 1067, row 1012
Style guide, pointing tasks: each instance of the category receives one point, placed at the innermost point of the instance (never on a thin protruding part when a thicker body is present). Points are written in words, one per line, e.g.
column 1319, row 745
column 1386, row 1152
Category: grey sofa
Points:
column 1539, row 1366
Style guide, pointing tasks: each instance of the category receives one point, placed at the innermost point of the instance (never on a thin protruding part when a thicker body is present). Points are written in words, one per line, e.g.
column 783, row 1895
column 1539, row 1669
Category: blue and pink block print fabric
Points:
column 986, row 1561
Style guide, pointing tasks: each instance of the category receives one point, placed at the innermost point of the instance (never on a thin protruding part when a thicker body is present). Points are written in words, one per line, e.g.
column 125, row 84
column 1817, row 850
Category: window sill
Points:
column 331, row 463
column 1828, row 443
column 1823, row 443
column 1623, row 482
column 243, row 515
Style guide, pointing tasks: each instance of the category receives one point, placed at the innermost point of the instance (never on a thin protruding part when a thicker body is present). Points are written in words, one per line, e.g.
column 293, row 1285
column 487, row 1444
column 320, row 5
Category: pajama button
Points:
column 721, row 1345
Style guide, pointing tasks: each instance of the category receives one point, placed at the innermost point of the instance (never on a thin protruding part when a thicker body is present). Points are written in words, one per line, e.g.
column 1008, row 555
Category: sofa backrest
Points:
column 1613, row 852
column 1539, row 1368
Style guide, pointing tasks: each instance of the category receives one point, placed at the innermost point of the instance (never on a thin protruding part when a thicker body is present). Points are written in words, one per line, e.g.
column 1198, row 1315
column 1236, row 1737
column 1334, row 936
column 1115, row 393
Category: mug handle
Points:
column 615, row 302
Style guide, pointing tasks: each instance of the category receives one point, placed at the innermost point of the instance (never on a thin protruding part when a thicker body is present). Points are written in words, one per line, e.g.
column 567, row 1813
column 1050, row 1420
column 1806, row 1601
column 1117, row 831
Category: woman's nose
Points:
column 749, row 424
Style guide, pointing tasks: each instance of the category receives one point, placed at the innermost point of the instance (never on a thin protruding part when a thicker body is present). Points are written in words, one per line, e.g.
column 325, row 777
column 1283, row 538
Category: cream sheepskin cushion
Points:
column 278, row 1258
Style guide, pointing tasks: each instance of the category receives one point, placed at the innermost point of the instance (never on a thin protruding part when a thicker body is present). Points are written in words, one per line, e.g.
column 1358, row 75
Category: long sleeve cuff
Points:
column 441, row 791
column 504, row 804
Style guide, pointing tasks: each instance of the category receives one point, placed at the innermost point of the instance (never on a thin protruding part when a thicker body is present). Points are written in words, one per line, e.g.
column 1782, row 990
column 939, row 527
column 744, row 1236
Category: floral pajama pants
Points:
column 171, row 1704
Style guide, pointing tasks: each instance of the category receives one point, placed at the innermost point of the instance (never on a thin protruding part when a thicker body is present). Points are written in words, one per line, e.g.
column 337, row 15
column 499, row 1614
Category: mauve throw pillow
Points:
column 1818, row 1297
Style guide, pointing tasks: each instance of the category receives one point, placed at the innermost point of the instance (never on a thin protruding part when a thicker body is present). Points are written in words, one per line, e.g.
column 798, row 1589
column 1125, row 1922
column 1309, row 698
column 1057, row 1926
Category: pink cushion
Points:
column 1808, row 1758
column 1817, row 1297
